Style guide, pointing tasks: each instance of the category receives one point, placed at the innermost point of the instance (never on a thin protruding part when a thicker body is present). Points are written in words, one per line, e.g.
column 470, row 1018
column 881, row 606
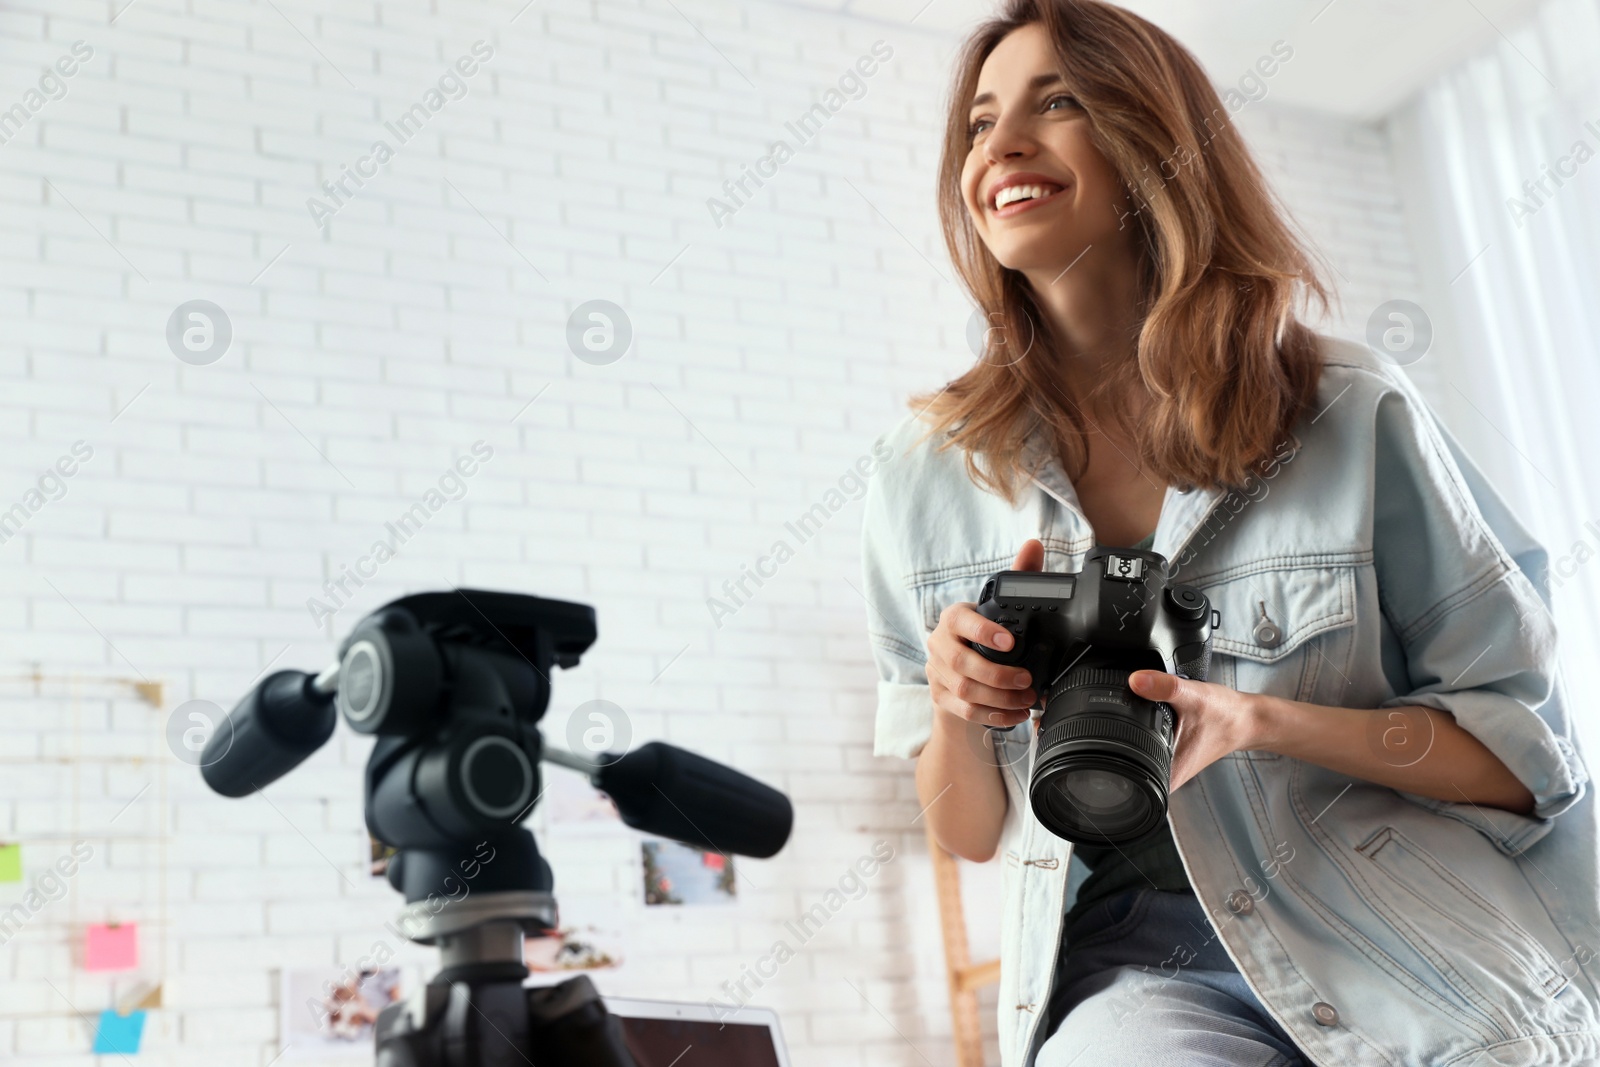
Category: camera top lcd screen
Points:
column 1054, row 586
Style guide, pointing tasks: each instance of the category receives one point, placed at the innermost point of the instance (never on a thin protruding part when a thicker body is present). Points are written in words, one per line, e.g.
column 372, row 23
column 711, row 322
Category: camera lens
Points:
column 1104, row 760
column 1097, row 792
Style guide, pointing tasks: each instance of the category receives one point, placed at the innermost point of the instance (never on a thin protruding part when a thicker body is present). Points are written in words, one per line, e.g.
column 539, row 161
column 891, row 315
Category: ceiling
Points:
column 1353, row 58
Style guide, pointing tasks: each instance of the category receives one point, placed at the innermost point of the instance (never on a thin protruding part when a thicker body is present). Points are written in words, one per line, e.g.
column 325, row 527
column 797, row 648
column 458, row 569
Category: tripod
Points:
column 475, row 1012
column 453, row 686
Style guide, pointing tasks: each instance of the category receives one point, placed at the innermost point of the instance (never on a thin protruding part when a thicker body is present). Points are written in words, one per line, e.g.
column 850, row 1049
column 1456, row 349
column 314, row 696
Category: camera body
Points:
column 1104, row 753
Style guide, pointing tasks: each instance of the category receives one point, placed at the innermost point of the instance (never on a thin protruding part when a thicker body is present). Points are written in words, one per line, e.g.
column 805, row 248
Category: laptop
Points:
column 662, row 1033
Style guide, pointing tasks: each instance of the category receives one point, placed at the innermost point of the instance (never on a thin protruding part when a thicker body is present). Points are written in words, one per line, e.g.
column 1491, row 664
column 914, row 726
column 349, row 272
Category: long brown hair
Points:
column 1227, row 365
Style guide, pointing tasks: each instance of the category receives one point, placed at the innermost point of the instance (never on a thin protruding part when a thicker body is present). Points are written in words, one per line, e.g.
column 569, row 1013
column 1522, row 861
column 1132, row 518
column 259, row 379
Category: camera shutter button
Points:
column 1187, row 603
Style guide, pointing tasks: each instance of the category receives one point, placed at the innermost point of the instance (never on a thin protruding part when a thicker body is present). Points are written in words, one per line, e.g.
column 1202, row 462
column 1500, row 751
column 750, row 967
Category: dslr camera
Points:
column 1104, row 755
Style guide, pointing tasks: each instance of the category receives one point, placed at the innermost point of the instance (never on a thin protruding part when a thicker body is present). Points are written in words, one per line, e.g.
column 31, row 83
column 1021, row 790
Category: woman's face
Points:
column 1030, row 139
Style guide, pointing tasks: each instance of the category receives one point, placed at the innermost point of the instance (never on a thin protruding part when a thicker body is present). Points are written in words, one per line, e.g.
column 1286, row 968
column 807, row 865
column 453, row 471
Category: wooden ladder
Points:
column 963, row 977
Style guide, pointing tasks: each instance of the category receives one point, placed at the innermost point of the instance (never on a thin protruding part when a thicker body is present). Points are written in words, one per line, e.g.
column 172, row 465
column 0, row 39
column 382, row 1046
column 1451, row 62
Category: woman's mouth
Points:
column 1015, row 199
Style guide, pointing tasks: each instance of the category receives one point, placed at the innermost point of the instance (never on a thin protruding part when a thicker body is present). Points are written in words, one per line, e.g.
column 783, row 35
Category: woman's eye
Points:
column 977, row 126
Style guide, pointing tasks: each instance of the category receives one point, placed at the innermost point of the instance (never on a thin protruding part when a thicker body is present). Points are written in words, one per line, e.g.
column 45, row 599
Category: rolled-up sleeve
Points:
column 905, row 708
column 1462, row 585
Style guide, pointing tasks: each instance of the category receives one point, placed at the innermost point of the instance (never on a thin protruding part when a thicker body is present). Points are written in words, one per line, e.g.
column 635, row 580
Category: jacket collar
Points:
column 1183, row 512
column 1049, row 475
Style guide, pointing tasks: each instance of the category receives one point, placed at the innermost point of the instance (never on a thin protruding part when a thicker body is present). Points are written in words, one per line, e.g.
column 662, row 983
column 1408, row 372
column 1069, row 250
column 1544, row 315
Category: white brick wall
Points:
column 766, row 358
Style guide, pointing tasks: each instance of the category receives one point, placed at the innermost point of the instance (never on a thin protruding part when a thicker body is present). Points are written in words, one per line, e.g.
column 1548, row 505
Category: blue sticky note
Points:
column 119, row 1033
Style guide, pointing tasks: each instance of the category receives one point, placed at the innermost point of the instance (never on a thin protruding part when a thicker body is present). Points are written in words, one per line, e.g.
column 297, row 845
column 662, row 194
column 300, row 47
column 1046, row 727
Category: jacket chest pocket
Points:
column 1286, row 632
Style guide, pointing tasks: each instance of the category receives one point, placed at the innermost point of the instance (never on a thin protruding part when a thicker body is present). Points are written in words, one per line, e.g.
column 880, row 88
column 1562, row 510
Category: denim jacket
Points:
column 1377, row 926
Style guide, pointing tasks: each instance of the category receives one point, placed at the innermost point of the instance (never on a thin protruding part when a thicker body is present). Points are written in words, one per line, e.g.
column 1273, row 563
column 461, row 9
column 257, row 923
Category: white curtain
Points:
column 1498, row 161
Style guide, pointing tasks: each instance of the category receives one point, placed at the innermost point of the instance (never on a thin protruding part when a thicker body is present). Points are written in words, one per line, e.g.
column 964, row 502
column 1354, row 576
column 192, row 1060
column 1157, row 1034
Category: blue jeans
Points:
column 1146, row 982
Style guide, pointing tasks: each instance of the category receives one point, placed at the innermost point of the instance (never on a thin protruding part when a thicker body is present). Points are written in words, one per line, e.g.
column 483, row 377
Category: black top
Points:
column 1149, row 862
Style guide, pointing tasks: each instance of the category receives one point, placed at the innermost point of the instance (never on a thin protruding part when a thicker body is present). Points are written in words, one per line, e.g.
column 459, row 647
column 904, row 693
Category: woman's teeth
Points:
column 1012, row 193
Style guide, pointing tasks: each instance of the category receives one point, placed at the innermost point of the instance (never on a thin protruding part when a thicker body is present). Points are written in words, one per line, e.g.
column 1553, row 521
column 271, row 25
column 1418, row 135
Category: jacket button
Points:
column 1325, row 1014
column 1267, row 633
column 1241, row 903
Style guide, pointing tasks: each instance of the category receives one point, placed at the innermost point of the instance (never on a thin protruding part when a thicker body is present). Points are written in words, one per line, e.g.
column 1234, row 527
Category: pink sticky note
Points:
column 112, row 947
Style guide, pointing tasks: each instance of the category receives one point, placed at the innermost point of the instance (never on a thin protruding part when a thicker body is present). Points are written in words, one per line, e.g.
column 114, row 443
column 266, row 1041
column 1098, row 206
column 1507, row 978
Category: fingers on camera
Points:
column 974, row 627
column 994, row 717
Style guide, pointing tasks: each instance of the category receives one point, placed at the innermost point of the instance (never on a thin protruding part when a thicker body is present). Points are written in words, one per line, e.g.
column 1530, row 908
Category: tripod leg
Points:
column 570, row 1026
column 402, row 1040
column 498, row 1023
column 486, row 1026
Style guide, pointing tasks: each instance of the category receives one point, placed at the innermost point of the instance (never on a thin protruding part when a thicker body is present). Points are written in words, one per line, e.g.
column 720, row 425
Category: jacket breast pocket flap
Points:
column 1284, row 631
column 1268, row 615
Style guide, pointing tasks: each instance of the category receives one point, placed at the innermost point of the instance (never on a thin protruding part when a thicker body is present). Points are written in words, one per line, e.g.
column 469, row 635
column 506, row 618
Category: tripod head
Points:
column 453, row 685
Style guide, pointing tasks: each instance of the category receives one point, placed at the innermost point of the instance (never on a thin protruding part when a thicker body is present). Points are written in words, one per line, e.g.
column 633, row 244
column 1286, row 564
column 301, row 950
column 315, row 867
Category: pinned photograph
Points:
column 680, row 874
column 329, row 1013
column 572, row 949
column 571, row 803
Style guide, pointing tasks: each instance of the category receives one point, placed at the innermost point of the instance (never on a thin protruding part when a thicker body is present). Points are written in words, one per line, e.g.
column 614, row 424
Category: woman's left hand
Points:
column 1213, row 720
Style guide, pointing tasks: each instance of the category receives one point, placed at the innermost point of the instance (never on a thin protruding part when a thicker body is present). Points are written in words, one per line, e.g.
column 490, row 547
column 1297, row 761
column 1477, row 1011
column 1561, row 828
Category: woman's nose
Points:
column 1008, row 139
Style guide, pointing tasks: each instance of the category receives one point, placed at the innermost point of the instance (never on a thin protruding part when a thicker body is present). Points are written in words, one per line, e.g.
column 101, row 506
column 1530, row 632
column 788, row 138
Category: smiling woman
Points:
column 1064, row 152
column 1378, row 737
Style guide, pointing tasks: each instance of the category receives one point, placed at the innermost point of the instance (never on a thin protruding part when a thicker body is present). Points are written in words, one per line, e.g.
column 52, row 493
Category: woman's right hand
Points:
column 961, row 680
